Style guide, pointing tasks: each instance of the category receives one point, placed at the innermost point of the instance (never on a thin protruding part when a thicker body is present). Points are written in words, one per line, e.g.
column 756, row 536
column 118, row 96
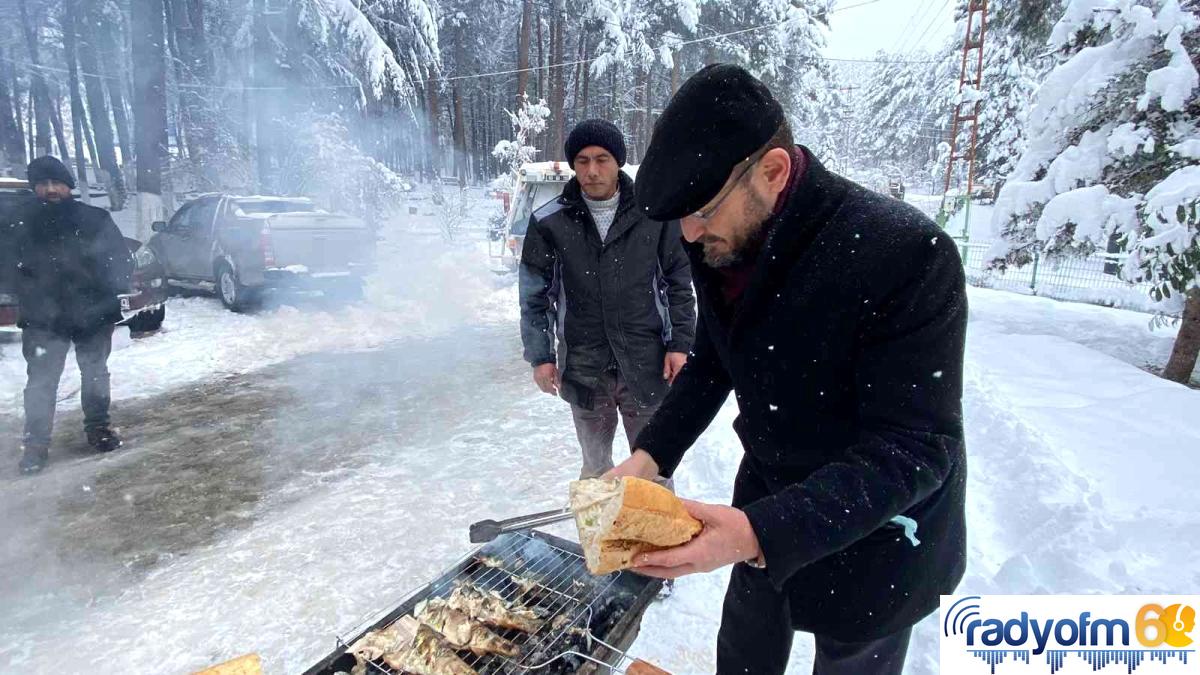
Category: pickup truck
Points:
column 241, row 246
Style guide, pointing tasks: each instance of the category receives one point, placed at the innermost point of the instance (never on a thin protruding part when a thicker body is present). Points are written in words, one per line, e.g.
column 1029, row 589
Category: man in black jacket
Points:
column 837, row 317
column 612, row 288
column 71, row 263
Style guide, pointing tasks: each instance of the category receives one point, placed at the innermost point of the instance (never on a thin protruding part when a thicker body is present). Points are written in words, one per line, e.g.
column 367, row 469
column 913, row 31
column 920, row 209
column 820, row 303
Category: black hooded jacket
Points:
column 623, row 302
column 70, row 263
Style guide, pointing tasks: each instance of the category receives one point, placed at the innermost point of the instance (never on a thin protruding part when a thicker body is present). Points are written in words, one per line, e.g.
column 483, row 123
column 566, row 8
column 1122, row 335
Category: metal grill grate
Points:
column 532, row 572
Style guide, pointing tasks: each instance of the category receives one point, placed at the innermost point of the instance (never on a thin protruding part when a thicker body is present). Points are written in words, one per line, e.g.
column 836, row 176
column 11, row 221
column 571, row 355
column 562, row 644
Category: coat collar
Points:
column 812, row 204
column 572, row 196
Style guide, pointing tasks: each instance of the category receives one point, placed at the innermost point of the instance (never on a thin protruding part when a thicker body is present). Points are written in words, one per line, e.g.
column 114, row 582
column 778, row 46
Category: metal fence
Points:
column 1095, row 279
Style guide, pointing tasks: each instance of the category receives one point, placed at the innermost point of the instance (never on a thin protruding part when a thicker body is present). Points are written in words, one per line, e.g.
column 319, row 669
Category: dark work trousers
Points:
column 596, row 427
column 45, row 356
column 756, row 636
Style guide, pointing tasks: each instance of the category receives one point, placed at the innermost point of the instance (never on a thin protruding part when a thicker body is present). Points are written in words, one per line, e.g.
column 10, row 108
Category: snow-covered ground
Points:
column 1081, row 464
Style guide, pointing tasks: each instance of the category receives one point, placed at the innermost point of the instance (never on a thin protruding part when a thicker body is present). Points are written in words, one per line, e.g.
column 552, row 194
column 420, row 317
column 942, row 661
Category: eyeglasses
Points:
column 706, row 214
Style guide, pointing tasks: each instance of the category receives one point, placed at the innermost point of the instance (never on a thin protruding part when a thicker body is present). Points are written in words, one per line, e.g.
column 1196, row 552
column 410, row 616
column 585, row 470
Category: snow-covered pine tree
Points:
column 1113, row 141
column 780, row 41
column 904, row 106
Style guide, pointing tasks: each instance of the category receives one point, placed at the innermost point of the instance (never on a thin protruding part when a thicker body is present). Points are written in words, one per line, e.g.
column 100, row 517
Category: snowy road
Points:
column 277, row 488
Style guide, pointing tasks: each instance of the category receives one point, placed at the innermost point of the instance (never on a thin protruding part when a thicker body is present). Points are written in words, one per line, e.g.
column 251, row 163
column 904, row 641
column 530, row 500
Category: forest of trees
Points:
column 178, row 96
column 340, row 99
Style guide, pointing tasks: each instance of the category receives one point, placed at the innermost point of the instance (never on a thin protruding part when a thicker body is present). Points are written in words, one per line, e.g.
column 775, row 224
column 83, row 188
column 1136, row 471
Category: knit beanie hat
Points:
column 49, row 168
column 595, row 132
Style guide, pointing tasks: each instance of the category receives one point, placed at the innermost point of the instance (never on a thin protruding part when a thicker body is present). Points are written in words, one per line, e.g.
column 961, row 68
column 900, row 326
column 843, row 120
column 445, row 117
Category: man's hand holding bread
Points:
column 726, row 538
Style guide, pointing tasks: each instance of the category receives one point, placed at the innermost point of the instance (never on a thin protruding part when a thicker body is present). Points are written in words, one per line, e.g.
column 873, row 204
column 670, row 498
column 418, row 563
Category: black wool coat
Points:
column 846, row 358
column 70, row 262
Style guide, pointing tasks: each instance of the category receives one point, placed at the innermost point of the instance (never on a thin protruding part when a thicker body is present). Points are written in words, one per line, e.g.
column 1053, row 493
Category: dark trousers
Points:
column 597, row 427
column 45, row 355
column 756, row 636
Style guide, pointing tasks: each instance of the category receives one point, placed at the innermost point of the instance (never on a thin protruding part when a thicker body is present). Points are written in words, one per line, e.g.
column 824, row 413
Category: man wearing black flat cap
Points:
column 607, row 311
column 71, row 263
column 837, row 317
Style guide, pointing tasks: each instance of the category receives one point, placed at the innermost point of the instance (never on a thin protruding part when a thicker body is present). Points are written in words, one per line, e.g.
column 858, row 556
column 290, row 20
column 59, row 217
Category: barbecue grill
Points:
column 587, row 620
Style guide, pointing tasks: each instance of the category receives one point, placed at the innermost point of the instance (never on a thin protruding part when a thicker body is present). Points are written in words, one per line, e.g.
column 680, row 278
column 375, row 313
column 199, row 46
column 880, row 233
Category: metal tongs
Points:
column 487, row 530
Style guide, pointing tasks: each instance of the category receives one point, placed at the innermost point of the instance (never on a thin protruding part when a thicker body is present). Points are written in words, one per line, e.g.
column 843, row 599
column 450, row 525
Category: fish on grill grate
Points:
column 461, row 631
column 491, row 608
column 420, row 650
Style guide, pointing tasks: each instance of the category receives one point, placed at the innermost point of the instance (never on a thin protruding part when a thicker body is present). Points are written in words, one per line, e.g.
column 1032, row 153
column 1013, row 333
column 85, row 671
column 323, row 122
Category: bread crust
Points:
column 250, row 664
column 646, row 517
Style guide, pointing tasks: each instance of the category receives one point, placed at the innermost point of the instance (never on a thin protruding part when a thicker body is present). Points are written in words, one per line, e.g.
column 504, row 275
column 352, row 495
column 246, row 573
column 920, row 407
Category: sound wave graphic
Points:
column 1131, row 658
column 1096, row 658
column 994, row 657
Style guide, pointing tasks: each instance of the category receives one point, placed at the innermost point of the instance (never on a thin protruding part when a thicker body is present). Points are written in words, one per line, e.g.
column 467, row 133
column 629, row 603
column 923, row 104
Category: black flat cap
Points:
column 719, row 117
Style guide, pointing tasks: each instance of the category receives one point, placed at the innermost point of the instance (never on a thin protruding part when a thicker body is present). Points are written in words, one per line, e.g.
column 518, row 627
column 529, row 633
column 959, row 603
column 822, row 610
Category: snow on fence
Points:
column 1095, row 279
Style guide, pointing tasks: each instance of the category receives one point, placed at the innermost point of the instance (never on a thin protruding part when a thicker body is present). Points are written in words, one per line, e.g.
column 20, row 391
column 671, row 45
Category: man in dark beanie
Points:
column 607, row 312
column 837, row 317
column 71, row 263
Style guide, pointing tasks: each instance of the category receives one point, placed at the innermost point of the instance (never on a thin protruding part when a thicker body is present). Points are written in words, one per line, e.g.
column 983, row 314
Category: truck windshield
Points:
column 253, row 206
column 532, row 198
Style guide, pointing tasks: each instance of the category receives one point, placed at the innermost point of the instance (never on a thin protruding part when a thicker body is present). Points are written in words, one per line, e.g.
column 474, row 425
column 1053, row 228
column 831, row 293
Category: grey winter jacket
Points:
column 593, row 306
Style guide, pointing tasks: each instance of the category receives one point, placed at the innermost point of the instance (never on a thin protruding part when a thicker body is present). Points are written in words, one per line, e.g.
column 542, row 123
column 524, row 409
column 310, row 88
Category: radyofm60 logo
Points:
column 1069, row 634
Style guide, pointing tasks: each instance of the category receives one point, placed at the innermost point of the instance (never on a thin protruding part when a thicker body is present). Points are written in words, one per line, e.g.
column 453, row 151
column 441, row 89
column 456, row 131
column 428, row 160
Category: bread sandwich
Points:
column 620, row 519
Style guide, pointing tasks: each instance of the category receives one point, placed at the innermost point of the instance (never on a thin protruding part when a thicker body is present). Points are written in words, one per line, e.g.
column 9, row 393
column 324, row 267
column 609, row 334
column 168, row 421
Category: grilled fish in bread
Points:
column 621, row 518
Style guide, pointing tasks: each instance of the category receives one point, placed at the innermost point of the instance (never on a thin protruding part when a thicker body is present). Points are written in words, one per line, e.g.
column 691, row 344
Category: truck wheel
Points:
column 235, row 296
column 148, row 321
column 346, row 291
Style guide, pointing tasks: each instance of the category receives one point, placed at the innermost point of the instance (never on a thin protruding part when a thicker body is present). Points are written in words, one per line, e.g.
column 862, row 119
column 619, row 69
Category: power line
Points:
column 912, row 18
column 931, row 24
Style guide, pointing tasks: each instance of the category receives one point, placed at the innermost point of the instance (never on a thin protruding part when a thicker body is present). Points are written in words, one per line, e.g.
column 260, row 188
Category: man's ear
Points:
column 775, row 168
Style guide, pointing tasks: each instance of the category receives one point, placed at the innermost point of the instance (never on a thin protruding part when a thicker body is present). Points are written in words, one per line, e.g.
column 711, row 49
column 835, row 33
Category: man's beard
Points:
column 745, row 242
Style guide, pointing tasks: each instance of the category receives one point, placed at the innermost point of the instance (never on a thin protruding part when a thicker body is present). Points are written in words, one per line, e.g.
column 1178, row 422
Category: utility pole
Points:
column 966, row 112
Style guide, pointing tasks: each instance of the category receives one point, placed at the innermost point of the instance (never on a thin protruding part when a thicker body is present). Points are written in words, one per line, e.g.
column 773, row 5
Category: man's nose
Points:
column 692, row 228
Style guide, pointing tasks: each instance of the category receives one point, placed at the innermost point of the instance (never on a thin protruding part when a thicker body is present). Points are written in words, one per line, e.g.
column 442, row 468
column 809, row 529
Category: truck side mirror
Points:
column 158, row 226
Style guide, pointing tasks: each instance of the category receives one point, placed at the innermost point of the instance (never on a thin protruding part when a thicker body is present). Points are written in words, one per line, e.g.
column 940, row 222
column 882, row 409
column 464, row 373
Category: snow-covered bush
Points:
column 527, row 122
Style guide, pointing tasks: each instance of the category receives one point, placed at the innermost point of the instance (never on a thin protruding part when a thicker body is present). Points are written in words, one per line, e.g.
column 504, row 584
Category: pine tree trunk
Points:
column 175, row 58
column 60, row 135
column 70, row 10
column 541, row 56
column 587, row 80
column 38, row 93
column 1187, row 343
column 559, row 107
column 263, row 135
column 435, row 150
column 674, row 72
column 105, row 153
column 578, row 76
column 33, row 148
column 648, row 122
column 15, row 86
column 89, row 138
column 113, row 78
column 11, row 142
column 150, row 94
column 523, row 51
